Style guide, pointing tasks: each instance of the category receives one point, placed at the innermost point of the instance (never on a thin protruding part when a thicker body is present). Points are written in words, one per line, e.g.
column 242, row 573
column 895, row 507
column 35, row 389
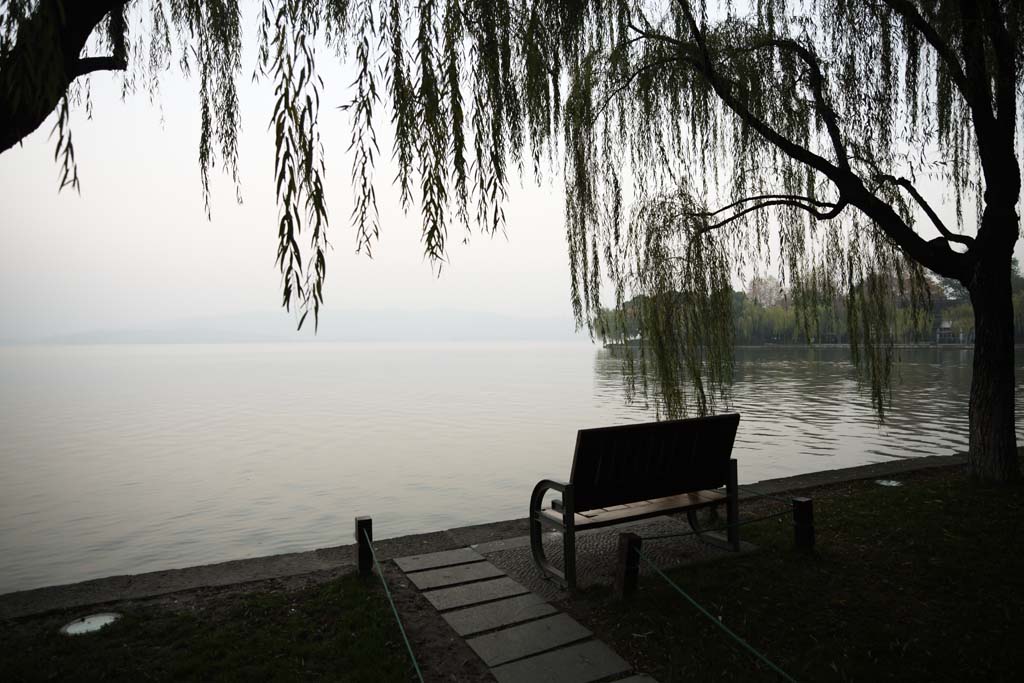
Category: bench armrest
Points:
column 545, row 485
column 542, row 487
column 551, row 485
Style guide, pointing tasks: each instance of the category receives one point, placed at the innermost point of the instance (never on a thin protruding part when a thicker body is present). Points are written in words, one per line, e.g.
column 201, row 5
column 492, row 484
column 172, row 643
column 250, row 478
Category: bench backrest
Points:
column 630, row 463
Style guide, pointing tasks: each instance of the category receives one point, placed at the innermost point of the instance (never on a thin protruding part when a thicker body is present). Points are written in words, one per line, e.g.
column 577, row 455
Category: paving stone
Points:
column 472, row 620
column 516, row 642
column 415, row 563
column 450, row 576
column 582, row 663
column 473, row 593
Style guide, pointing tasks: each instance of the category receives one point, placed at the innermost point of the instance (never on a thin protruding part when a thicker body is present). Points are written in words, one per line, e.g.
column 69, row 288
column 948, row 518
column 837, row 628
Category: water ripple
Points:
column 134, row 458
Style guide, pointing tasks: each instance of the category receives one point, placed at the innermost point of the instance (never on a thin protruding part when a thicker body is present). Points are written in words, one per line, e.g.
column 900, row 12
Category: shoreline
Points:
column 615, row 346
column 335, row 559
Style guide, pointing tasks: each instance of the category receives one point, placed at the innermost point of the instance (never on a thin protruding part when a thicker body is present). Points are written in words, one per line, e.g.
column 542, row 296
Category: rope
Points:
column 716, row 621
column 380, row 573
column 721, row 528
column 761, row 494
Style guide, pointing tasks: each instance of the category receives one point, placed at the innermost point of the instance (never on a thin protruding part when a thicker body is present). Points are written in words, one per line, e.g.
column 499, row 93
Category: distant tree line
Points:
column 766, row 313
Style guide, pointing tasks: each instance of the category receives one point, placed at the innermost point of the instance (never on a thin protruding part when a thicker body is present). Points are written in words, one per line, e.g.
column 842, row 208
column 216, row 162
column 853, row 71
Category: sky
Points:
column 135, row 248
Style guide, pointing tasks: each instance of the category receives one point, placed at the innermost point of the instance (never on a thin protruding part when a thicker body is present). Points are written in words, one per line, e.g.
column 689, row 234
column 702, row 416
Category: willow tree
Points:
column 698, row 140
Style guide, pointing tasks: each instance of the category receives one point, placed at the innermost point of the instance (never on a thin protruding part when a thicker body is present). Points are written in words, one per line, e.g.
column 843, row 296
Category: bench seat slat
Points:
column 591, row 519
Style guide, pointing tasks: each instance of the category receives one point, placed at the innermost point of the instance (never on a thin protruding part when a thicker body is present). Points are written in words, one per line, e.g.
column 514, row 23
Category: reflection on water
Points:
column 803, row 408
column 132, row 458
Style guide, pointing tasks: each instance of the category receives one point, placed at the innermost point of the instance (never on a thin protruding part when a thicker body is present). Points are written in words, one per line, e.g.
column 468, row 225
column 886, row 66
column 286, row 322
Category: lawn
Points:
column 919, row 582
column 339, row 630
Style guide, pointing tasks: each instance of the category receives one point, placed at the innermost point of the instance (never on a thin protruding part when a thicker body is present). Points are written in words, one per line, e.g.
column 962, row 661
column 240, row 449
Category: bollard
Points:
column 627, row 570
column 732, row 504
column 803, row 523
column 364, row 537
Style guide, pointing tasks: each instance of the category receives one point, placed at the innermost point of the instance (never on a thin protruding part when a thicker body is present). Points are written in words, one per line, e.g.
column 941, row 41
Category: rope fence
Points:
column 761, row 494
column 364, row 525
column 631, row 556
column 725, row 527
column 716, row 621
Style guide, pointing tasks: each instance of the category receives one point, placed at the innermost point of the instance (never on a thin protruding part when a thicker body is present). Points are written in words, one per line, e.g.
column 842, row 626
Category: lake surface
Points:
column 123, row 459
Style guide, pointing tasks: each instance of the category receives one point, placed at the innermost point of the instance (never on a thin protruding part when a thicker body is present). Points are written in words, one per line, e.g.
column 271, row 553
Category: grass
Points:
column 340, row 630
column 919, row 582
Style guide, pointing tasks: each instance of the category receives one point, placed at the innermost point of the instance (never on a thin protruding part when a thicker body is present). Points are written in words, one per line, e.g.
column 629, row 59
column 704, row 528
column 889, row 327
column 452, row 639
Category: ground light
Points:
column 90, row 623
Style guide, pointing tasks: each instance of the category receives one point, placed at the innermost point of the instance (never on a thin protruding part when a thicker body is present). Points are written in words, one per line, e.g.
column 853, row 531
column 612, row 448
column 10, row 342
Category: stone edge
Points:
column 154, row 584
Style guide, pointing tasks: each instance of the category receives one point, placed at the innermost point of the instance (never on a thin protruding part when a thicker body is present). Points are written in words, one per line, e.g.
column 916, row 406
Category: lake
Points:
column 124, row 459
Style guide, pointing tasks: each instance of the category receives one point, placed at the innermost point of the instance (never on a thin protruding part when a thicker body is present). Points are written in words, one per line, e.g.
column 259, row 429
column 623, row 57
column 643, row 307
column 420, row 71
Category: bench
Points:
column 630, row 472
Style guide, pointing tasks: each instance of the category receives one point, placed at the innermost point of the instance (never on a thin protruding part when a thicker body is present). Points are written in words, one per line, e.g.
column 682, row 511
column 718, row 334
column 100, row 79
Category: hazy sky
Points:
column 135, row 248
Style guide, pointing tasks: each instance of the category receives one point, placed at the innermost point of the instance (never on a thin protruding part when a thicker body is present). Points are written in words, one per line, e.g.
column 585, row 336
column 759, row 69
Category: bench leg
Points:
column 537, row 544
column 569, row 536
column 568, row 577
column 711, row 538
column 537, row 548
column 569, row 555
column 691, row 517
column 537, row 533
column 702, row 534
column 732, row 492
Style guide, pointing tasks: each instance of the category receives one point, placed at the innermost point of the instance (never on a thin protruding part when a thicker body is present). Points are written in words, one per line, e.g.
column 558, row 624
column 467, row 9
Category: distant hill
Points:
column 337, row 326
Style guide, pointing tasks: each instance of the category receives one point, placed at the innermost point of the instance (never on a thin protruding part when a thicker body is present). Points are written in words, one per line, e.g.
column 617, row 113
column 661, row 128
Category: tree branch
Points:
column 979, row 85
column 936, row 221
column 908, row 11
column 973, row 81
column 789, row 200
column 1006, row 61
column 851, row 188
column 661, row 37
column 87, row 65
column 817, row 81
column 35, row 72
column 1007, row 180
column 625, row 83
column 761, row 197
column 705, row 67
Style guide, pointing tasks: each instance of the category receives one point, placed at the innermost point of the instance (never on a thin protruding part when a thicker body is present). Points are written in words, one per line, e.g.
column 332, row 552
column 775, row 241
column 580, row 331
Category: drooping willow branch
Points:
column 850, row 186
column 817, row 83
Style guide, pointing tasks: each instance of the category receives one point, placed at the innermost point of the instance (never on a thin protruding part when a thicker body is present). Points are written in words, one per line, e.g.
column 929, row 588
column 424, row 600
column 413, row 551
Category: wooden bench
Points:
column 620, row 474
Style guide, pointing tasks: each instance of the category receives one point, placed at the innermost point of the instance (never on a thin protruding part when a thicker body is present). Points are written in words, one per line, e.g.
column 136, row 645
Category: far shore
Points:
column 960, row 347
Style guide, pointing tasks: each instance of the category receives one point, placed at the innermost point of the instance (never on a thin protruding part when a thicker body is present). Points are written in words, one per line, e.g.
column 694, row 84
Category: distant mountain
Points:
column 335, row 326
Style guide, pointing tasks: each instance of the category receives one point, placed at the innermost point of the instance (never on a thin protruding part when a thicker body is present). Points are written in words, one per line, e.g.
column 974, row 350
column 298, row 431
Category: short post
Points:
column 732, row 517
column 364, row 537
column 803, row 523
column 627, row 570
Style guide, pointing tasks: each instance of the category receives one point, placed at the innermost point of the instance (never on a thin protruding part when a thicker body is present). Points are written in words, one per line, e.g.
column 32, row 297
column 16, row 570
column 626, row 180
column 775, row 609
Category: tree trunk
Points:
column 36, row 72
column 993, row 440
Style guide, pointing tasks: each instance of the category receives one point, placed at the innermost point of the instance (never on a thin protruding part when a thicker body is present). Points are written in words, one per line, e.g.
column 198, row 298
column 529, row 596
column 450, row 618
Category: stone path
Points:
column 521, row 637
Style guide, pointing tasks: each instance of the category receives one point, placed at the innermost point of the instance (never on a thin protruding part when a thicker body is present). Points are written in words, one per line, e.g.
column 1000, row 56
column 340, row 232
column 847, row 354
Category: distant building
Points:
column 945, row 334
